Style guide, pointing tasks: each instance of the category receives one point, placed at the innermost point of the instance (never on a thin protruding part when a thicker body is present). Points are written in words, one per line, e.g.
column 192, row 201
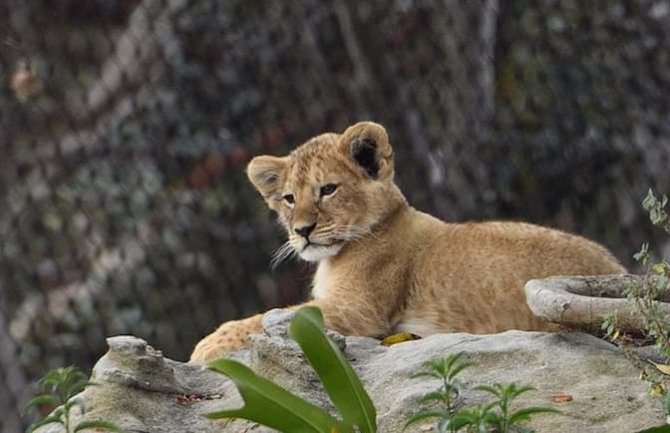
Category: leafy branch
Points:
column 645, row 298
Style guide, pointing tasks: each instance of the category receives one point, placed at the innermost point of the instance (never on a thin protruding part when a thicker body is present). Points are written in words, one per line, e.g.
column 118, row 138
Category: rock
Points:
column 581, row 302
column 140, row 390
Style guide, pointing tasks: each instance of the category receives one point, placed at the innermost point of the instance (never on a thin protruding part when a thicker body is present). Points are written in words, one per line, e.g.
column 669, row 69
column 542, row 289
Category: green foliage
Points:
column 445, row 369
column 270, row 405
column 504, row 394
column 339, row 379
column 656, row 208
column 609, row 326
column 495, row 416
column 645, row 298
column 474, row 419
column 58, row 388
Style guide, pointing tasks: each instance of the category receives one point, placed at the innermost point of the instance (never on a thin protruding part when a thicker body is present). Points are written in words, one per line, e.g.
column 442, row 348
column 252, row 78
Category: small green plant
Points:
column 505, row 419
column 445, row 369
column 495, row 416
column 268, row 404
column 58, row 389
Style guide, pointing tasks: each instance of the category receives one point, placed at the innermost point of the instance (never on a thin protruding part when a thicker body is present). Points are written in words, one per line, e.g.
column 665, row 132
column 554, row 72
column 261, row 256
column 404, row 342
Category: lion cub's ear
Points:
column 266, row 173
column 367, row 143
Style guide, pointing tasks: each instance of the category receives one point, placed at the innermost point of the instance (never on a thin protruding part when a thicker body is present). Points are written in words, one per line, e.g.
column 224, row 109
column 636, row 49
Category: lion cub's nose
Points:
column 304, row 231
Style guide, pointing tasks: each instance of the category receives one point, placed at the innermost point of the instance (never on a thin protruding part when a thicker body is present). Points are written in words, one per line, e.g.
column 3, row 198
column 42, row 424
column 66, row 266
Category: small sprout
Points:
column 445, row 369
column 59, row 387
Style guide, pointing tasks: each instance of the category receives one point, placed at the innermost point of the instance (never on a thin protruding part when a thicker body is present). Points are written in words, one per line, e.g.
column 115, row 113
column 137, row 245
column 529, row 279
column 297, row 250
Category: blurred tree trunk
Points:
column 12, row 376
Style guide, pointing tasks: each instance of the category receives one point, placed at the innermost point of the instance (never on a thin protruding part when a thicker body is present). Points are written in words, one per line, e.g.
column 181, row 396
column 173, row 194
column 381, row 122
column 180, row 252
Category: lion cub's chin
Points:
column 315, row 253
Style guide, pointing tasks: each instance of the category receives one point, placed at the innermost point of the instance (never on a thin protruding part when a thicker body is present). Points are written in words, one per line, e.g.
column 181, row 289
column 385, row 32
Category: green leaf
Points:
column 525, row 413
column 62, row 379
column 97, row 425
column 339, row 379
column 41, row 400
column 433, row 396
column 268, row 404
column 460, row 367
column 649, row 201
column 661, row 282
column 460, row 419
column 643, row 254
column 428, row 373
column 487, row 388
column 420, row 416
column 657, row 216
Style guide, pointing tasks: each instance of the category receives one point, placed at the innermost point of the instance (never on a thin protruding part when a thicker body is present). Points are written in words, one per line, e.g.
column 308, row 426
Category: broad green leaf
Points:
column 104, row 425
column 268, row 404
column 339, row 379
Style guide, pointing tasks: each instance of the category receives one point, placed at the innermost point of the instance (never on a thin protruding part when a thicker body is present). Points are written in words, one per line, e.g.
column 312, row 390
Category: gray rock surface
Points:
column 142, row 391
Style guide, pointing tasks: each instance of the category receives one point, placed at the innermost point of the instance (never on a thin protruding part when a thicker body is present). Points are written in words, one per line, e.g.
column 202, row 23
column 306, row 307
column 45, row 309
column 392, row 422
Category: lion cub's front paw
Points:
column 228, row 338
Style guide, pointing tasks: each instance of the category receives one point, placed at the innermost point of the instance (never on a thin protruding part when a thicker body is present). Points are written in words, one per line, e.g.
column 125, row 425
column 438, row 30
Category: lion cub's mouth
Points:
column 315, row 251
column 309, row 244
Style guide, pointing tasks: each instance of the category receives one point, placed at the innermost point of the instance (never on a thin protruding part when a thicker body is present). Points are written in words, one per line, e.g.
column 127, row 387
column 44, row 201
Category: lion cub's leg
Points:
column 354, row 319
column 227, row 338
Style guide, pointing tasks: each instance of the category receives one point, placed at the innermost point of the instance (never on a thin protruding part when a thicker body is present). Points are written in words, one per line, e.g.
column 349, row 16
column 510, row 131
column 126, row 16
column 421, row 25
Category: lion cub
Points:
column 385, row 267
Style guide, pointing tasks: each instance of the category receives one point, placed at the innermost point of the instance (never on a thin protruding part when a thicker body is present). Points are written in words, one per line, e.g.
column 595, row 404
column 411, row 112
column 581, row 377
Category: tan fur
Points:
column 385, row 266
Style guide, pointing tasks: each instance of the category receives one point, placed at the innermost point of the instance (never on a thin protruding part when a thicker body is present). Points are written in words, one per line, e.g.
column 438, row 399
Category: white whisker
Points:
column 282, row 253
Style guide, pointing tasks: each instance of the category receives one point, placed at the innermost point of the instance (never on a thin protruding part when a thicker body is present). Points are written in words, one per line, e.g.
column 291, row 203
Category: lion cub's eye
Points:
column 289, row 198
column 328, row 189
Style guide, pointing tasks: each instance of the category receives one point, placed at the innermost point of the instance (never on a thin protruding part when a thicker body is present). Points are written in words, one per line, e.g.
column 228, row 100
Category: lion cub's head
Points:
column 331, row 190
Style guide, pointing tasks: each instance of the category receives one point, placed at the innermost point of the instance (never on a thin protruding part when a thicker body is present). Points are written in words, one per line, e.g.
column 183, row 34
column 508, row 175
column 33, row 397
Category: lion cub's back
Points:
column 470, row 278
column 524, row 249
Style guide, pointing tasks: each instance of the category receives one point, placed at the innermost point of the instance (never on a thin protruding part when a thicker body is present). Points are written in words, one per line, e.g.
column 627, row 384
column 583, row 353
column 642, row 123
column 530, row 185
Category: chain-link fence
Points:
column 125, row 126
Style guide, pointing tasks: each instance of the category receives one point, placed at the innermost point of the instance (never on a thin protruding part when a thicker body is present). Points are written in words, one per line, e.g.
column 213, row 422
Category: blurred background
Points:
column 126, row 125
